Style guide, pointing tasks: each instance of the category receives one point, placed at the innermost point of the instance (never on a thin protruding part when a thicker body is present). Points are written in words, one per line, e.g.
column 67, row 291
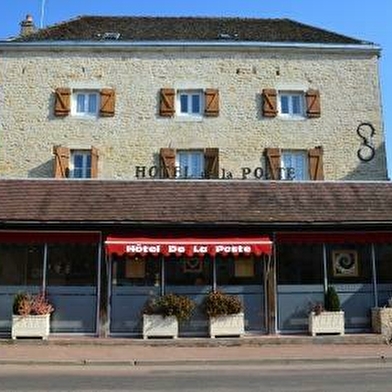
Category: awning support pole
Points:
column 162, row 270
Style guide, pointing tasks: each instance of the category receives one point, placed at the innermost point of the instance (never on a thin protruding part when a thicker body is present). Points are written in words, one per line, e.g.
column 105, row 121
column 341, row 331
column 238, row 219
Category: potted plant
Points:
column 327, row 318
column 161, row 315
column 225, row 313
column 31, row 316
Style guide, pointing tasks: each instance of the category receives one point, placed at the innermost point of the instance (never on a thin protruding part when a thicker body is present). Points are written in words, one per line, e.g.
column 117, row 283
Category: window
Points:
column 294, row 165
column 291, row 104
column 190, row 164
column 85, row 103
column 189, row 103
column 203, row 163
column 80, row 164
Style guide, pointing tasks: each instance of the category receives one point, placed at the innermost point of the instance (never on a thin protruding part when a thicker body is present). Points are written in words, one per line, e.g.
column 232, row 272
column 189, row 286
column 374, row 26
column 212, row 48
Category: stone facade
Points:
column 347, row 81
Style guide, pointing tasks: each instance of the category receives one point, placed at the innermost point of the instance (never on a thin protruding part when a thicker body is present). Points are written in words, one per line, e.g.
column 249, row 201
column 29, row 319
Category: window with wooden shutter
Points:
column 273, row 159
column 168, row 162
column 316, row 169
column 269, row 103
column 313, row 109
column 61, row 161
column 211, row 158
column 94, row 162
column 107, row 104
column 211, row 97
column 167, row 102
column 62, row 105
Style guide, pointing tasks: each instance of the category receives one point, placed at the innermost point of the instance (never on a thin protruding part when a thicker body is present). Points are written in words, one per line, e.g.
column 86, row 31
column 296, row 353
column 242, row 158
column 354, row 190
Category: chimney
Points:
column 27, row 26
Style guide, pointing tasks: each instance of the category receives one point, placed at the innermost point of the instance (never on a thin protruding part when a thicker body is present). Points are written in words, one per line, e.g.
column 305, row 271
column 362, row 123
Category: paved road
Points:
column 307, row 378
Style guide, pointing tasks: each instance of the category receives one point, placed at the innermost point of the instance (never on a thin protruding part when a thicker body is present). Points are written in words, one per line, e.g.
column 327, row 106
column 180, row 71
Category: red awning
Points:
column 189, row 246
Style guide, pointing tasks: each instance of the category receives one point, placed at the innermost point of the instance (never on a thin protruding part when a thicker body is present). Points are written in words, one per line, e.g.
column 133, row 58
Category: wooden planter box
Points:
column 382, row 320
column 326, row 322
column 36, row 326
column 155, row 325
column 230, row 325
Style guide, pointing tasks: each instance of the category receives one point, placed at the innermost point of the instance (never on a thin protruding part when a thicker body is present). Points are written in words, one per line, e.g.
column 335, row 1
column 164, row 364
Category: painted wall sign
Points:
column 244, row 173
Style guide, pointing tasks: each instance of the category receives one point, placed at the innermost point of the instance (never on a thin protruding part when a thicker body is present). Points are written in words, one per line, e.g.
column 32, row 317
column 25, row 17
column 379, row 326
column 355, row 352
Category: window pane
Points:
column 300, row 264
column 72, row 265
column 195, row 103
column 296, row 103
column 294, row 165
column 92, row 103
column 184, row 103
column 136, row 271
column 284, row 104
column 188, row 271
column 21, row 265
column 196, row 165
column 80, row 103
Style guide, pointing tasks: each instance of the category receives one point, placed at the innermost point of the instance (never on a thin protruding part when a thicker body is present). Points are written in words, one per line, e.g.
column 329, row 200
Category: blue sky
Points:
column 367, row 20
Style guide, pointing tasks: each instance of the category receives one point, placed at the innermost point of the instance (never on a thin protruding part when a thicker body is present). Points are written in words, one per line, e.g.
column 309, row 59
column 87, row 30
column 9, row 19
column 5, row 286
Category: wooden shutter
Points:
column 211, row 98
column 108, row 100
column 269, row 103
column 62, row 105
column 61, row 161
column 94, row 162
column 166, row 106
column 313, row 109
column 168, row 163
column 316, row 170
column 273, row 164
column 211, row 162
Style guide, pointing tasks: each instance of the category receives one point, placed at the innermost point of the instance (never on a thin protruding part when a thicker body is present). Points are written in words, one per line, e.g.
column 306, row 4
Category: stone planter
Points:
column 155, row 325
column 32, row 326
column 382, row 321
column 326, row 322
column 229, row 325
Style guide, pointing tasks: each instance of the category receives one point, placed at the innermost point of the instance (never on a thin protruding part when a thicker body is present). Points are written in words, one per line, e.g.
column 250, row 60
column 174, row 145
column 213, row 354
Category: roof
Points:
column 131, row 28
column 196, row 202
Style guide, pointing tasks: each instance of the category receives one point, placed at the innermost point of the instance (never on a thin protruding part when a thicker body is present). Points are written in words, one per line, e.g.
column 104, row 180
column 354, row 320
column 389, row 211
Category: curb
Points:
column 200, row 362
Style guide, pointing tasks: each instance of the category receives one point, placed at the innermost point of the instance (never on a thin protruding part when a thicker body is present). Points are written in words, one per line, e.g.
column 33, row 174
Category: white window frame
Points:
column 183, row 173
column 290, row 95
column 86, row 167
column 288, row 172
column 87, row 94
column 189, row 93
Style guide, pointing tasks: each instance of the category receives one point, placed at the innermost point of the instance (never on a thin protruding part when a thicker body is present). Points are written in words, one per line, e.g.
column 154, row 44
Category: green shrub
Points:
column 220, row 304
column 176, row 305
column 331, row 300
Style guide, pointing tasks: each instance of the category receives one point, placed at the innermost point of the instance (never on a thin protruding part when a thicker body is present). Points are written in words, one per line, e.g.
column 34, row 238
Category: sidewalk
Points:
column 364, row 348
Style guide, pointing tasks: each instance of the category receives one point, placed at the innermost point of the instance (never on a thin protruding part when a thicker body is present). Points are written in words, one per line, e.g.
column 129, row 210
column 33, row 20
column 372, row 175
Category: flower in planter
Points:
column 220, row 304
column 176, row 305
column 31, row 304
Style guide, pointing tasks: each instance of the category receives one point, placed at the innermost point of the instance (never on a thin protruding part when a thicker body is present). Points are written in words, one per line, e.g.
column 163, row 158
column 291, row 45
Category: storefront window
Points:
column 188, row 271
column 135, row 270
column 21, row 264
column 384, row 263
column 300, row 264
column 72, row 265
column 240, row 270
column 349, row 263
